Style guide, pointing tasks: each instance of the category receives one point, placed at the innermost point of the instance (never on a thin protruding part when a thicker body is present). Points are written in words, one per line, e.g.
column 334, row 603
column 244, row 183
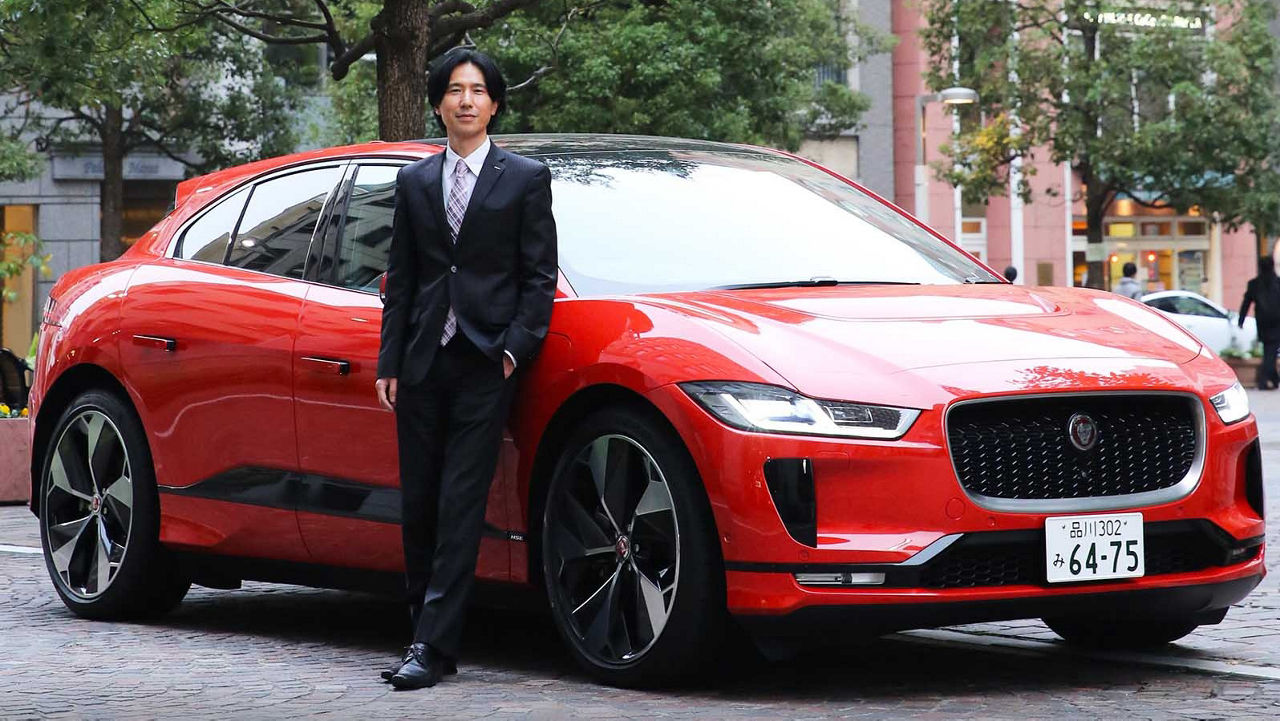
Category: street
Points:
column 270, row 651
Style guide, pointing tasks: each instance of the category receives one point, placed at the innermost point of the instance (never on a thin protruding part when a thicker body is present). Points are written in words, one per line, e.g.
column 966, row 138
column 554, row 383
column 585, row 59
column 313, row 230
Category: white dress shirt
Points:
column 475, row 163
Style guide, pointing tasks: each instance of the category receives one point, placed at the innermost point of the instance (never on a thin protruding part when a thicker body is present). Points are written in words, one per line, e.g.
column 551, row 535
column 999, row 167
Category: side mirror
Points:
column 382, row 288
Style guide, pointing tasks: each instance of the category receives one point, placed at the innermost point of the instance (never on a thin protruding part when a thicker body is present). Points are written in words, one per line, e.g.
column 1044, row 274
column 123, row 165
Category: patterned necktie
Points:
column 455, row 211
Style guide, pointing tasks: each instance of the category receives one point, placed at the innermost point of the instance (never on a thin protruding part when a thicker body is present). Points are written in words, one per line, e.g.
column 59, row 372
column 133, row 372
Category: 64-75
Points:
column 1115, row 551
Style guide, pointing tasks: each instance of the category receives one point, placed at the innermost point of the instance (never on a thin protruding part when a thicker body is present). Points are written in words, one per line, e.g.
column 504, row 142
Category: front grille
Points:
column 1020, row 448
column 1011, row 558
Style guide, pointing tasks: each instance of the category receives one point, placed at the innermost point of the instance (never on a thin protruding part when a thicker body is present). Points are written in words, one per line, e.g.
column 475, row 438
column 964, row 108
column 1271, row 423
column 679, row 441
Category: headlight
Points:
column 759, row 407
column 1232, row 404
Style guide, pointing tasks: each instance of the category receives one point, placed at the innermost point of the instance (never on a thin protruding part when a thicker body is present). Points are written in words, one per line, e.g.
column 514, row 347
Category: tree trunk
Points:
column 402, row 41
column 111, row 224
column 1095, row 204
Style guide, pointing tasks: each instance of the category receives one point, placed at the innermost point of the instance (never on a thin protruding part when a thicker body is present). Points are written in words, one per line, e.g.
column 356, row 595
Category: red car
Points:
column 769, row 401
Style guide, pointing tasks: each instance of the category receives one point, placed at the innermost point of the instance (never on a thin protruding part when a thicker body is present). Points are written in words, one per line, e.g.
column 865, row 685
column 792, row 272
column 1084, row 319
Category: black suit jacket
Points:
column 500, row 276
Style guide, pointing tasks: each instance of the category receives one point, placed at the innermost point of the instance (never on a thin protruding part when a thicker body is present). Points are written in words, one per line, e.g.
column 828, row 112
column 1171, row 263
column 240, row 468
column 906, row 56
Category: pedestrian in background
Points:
column 1129, row 286
column 1263, row 293
column 1010, row 273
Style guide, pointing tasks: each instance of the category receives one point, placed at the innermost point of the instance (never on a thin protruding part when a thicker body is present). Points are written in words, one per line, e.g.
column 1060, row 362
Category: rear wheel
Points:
column 1120, row 633
column 629, row 553
column 100, row 515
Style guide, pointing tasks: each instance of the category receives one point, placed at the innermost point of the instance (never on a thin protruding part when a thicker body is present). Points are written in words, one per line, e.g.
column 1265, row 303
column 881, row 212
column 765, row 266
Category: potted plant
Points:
column 1244, row 362
column 18, row 251
column 15, row 454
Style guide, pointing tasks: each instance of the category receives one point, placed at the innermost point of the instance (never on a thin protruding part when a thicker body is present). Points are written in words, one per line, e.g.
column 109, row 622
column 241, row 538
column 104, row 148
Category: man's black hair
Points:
column 442, row 70
column 1129, row 270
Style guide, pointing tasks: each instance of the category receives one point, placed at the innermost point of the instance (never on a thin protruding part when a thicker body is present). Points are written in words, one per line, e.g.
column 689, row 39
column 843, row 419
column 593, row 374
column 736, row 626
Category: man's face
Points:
column 466, row 106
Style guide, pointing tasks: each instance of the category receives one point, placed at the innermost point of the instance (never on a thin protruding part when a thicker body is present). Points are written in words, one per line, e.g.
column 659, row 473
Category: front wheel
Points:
column 100, row 515
column 630, row 557
column 1120, row 634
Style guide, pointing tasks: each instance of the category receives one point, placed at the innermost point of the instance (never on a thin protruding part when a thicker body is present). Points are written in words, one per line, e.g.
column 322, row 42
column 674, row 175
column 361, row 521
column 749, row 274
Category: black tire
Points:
column 1130, row 634
column 689, row 637
column 121, row 525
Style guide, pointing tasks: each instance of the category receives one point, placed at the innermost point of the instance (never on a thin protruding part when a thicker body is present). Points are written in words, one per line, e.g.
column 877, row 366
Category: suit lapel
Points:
column 489, row 174
column 435, row 192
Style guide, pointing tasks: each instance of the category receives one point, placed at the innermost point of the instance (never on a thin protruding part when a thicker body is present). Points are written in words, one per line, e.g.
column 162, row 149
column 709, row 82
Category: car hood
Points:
column 883, row 340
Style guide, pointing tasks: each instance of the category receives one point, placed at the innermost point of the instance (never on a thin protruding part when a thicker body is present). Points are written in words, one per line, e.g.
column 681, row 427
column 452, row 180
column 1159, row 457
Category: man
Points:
column 470, row 283
column 1129, row 286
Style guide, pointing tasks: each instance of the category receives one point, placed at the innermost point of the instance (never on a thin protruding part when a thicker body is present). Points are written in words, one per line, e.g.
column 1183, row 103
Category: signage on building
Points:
column 136, row 167
column 1144, row 19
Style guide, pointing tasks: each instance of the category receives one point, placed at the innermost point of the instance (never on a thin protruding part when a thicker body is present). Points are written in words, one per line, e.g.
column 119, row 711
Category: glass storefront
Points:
column 1171, row 251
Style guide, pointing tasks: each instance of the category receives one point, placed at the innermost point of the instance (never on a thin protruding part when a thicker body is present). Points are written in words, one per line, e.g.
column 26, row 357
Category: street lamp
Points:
column 950, row 96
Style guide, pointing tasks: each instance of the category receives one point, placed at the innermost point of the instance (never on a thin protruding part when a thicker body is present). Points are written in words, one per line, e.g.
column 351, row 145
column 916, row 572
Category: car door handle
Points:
column 329, row 365
column 168, row 345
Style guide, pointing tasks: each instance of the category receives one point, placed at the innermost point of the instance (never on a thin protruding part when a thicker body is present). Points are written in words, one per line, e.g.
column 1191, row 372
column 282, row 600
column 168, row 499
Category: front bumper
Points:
column 1203, row 602
column 882, row 507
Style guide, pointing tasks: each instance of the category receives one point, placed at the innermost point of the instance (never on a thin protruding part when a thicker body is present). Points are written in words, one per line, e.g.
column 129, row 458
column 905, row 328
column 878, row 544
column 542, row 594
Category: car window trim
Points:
column 330, row 194
column 180, row 234
column 333, row 241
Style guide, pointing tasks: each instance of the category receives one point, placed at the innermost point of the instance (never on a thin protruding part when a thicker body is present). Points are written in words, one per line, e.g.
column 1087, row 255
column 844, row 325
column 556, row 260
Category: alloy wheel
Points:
column 87, row 509
column 613, row 549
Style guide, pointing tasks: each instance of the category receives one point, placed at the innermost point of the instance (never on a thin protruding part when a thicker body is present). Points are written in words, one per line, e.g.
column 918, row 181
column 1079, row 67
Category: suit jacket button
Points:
column 453, row 269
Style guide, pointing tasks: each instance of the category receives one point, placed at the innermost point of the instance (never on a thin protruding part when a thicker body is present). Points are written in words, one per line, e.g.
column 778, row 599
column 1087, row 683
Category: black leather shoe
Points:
column 450, row 666
column 424, row 668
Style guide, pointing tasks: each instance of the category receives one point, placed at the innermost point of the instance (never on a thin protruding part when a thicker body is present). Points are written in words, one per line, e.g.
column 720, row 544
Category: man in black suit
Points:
column 470, row 283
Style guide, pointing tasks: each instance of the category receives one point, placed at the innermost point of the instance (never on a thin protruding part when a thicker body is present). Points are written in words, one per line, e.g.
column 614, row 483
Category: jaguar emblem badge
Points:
column 1082, row 431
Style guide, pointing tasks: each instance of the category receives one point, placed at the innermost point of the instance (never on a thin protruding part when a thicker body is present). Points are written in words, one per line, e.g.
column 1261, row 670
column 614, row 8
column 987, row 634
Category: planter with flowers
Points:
column 1244, row 362
column 15, row 454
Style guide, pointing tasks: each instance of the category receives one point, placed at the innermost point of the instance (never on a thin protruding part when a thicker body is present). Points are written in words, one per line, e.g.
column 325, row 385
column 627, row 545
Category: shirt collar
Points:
column 475, row 161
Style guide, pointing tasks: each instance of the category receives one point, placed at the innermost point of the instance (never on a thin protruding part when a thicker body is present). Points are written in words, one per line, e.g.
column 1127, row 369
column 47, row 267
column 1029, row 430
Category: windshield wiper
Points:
column 975, row 280
column 814, row 282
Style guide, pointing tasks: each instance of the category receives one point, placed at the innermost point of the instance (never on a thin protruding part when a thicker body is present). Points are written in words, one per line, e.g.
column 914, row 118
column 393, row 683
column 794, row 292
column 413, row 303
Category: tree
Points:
column 404, row 35
column 1158, row 105
column 715, row 69
column 96, row 71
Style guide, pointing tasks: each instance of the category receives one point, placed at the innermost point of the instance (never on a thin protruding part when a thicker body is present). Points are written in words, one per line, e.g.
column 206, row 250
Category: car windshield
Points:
column 654, row 221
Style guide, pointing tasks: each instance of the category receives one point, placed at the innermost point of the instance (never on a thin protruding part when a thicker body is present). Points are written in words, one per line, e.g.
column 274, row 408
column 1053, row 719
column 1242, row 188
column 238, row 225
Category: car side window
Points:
column 1164, row 304
column 207, row 238
column 1191, row 306
column 365, row 244
column 279, row 221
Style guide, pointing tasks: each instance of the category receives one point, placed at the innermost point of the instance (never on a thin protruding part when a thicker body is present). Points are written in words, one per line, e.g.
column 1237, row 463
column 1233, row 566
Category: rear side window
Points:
column 279, row 221
column 365, row 245
column 207, row 239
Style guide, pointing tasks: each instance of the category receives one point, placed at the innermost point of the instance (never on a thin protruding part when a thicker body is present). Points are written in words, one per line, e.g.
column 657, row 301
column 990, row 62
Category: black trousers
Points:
column 1267, row 368
column 449, row 429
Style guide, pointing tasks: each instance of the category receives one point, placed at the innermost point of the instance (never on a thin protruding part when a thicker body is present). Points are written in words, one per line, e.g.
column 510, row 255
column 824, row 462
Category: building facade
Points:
column 1044, row 239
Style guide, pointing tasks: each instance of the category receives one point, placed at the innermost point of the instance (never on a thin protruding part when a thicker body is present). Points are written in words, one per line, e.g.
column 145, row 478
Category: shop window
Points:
column 1149, row 229
column 1120, row 230
column 1079, row 227
column 1192, row 227
column 146, row 202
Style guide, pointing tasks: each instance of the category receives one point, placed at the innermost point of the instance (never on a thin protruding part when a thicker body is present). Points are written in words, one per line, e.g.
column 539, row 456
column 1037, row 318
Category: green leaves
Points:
column 19, row 251
column 181, row 87
column 715, row 69
column 1171, row 109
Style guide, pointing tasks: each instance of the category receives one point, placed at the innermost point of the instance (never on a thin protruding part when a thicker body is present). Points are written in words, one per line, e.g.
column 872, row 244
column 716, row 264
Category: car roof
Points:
column 536, row 144
column 532, row 144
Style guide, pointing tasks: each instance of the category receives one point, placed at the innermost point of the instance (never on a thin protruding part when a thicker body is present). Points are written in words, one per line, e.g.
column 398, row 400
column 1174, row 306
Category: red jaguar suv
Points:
column 769, row 401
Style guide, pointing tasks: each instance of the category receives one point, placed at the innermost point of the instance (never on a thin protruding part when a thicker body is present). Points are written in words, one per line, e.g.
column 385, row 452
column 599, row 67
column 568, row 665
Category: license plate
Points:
column 1094, row 547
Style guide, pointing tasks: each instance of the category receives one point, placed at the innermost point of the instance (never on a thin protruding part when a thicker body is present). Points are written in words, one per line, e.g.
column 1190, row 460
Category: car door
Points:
column 207, row 345
column 346, row 442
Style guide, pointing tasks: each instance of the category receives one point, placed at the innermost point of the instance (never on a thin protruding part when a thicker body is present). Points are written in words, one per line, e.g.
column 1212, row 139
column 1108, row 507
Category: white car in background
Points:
column 1214, row 325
